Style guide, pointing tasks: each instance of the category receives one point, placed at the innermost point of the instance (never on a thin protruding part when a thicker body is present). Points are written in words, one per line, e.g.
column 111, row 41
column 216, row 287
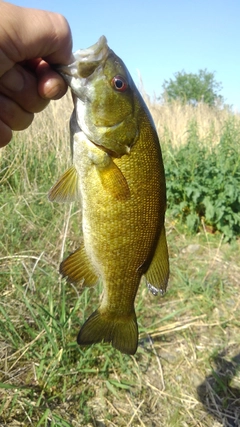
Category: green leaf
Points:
column 193, row 222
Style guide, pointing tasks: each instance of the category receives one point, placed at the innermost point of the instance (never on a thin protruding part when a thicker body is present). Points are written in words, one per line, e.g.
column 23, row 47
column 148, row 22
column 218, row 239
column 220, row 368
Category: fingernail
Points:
column 13, row 80
column 53, row 92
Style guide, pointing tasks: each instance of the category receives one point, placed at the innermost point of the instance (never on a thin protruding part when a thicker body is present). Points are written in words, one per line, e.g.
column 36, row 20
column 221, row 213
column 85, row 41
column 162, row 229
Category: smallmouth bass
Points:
column 118, row 176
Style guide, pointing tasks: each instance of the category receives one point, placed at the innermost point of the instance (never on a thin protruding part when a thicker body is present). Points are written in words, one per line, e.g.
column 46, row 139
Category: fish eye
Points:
column 119, row 83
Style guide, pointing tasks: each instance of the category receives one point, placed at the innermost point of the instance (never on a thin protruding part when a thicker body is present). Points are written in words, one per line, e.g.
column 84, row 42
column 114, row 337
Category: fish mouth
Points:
column 85, row 61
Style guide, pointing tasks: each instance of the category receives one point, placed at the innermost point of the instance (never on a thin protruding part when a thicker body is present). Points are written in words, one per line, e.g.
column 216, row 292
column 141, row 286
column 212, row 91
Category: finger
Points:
column 21, row 85
column 5, row 134
column 61, row 45
column 50, row 36
column 12, row 115
column 50, row 84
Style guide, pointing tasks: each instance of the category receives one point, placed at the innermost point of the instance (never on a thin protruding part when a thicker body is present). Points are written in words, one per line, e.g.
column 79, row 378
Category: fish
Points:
column 117, row 175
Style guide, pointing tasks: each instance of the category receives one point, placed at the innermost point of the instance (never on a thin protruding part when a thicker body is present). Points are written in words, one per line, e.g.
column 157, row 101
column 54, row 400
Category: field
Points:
column 186, row 371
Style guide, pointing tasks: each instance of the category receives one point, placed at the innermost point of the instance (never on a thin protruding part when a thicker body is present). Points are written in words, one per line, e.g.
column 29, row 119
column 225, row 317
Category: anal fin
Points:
column 66, row 188
column 78, row 269
column 158, row 272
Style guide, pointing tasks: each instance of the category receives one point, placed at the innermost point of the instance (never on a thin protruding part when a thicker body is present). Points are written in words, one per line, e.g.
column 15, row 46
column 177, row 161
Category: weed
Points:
column 203, row 181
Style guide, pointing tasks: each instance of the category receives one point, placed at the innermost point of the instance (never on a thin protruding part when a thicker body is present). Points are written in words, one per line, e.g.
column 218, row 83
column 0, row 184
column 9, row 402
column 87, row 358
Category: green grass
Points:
column 186, row 369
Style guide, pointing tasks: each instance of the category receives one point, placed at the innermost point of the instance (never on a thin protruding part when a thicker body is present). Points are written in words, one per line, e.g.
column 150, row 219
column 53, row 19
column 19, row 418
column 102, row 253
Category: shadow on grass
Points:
column 219, row 397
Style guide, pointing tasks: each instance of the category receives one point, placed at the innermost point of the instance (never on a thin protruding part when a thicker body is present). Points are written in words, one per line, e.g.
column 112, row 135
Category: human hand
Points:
column 30, row 40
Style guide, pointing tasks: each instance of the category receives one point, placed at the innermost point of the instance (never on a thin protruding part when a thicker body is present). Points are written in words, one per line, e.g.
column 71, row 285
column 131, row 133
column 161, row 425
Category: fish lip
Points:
column 94, row 54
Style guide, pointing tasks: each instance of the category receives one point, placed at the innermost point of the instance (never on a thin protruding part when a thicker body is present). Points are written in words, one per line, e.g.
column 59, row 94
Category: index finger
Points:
column 32, row 33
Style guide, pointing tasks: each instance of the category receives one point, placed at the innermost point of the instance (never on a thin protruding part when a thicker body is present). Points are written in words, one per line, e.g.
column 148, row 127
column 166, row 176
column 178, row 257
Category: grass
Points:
column 186, row 370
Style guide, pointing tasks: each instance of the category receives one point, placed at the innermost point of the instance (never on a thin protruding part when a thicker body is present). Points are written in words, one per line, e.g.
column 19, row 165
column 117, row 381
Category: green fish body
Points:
column 118, row 176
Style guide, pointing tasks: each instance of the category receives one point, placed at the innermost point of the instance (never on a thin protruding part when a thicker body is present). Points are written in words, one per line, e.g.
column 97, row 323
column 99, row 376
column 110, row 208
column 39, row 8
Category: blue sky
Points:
column 159, row 37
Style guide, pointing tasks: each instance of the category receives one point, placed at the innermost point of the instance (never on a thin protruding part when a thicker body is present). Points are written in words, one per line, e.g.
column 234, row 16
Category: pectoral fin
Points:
column 112, row 178
column 78, row 269
column 66, row 188
column 158, row 271
column 113, row 181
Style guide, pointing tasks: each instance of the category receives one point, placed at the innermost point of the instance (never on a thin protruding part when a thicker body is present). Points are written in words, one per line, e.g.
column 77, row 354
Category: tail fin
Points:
column 122, row 332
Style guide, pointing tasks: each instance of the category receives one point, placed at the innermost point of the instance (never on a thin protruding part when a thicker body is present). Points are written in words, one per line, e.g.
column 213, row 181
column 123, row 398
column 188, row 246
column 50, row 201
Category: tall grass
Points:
column 188, row 339
column 173, row 120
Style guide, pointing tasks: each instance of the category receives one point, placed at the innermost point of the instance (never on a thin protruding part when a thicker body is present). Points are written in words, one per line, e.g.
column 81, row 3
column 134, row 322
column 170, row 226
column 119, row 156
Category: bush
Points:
column 203, row 181
column 193, row 88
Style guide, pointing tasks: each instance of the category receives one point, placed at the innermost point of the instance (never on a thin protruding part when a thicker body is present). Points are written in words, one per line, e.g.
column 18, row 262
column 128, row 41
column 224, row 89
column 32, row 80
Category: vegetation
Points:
column 193, row 88
column 203, row 181
column 186, row 370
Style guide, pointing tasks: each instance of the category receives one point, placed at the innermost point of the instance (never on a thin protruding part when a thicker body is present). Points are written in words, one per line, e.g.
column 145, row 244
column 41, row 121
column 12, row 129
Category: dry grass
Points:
column 186, row 371
column 172, row 121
